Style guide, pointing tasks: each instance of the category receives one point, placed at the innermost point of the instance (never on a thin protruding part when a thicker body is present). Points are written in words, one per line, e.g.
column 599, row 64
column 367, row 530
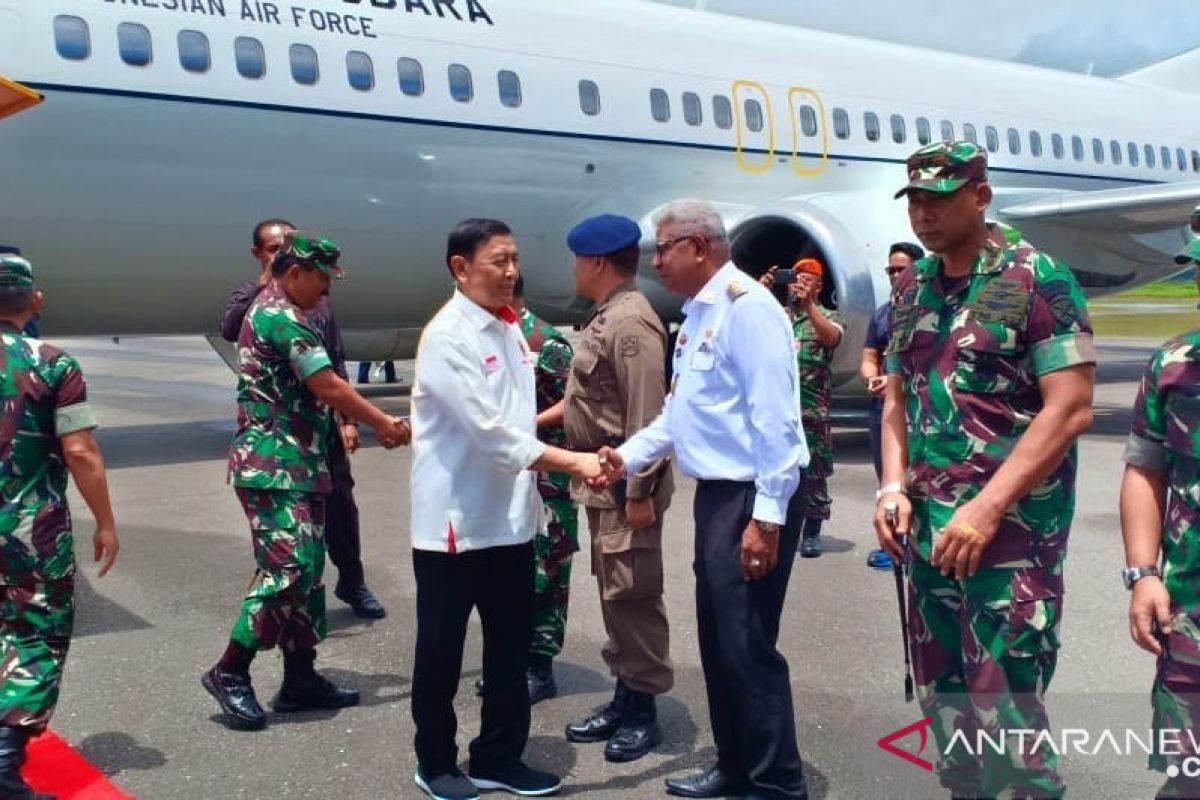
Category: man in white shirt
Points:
column 475, row 509
column 732, row 422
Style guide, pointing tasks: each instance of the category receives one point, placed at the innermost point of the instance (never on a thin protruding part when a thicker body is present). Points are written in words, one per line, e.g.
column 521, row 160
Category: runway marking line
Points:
column 56, row 767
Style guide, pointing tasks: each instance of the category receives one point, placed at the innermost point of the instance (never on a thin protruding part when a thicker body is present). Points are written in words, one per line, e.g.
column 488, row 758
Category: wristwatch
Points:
column 771, row 528
column 891, row 488
column 1132, row 575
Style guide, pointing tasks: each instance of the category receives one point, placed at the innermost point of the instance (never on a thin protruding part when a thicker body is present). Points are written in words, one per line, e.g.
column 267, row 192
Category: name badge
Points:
column 703, row 357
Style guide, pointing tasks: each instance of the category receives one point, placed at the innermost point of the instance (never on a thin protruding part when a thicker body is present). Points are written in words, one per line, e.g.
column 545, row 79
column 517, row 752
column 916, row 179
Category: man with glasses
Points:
column 732, row 420
column 991, row 367
column 901, row 256
column 342, row 538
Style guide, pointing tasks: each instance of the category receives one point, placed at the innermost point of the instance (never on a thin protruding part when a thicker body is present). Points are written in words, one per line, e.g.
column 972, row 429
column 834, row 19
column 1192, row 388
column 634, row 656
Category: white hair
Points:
column 693, row 218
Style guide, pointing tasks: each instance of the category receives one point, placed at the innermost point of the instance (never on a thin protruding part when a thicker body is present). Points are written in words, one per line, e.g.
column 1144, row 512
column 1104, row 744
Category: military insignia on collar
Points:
column 735, row 290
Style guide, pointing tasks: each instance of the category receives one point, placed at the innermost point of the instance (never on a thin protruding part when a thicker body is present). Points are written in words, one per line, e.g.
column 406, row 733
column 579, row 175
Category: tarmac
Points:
column 133, row 705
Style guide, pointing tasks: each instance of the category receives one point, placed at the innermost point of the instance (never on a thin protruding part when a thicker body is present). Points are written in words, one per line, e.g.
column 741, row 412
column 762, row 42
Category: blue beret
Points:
column 602, row 235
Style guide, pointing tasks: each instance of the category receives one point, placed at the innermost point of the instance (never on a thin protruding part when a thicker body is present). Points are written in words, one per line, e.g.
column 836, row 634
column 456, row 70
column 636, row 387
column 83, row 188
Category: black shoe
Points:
column 600, row 726
column 638, row 732
column 516, row 779
column 236, row 696
column 540, row 683
column 315, row 692
column 810, row 546
column 714, row 783
column 452, row 785
column 12, row 755
column 361, row 601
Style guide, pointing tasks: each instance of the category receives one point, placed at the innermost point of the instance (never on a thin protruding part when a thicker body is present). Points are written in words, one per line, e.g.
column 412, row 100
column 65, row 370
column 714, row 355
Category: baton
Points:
column 891, row 512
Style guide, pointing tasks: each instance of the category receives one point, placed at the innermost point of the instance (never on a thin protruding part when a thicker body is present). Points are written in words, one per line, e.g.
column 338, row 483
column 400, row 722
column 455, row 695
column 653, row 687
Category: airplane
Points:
column 169, row 127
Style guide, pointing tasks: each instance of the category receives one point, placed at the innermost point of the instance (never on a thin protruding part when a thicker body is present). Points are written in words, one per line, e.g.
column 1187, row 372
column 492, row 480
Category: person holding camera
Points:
column 817, row 329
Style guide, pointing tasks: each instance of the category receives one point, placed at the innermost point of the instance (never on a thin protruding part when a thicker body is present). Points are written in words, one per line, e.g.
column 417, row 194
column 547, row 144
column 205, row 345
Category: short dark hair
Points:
column 15, row 300
column 469, row 234
column 269, row 223
column 625, row 261
column 9, row 250
column 519, row 287
column 913, row 251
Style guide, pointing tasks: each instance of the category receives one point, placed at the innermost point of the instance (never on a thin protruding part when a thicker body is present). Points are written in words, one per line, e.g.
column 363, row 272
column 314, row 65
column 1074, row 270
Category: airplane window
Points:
column 841, row 123
column 133, row 40
column 947, row 131
column 1056, row 144
column 1114, row 150
column 899, row 133
column 1166, row 157
column 660, row 105
column 692, row 112
column 1098, row 151
column 589, row 97
column 969, row 133
column 194, row 55
column 1077, row 148
column 1035, row 144
column 754, row 115
column 1133, row 154
column 1181, row 159
column 1149, row 155
column 71, row 37
column 993, row 139
column 250, row 58
column 722, row 112
column 808, row 120
column 360, row 71
column 412, row 77
column 1014, row 141
column 462, row 88
column 924, row 134
column 871, row 125
column 304, row 64
column 1196, row 161
column 510, row 88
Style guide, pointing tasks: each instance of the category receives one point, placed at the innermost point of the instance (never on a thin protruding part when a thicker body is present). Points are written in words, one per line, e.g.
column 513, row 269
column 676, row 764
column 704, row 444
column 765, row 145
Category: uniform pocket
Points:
column 986, row 366
column 631, row 565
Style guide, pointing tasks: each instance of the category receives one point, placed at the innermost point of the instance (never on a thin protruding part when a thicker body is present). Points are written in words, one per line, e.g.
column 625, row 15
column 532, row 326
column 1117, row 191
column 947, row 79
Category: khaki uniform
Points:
column 616, row 388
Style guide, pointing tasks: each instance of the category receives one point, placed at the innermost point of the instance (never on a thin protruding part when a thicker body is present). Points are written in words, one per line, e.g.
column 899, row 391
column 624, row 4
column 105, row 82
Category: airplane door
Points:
column 755, row 125
column 810, row 132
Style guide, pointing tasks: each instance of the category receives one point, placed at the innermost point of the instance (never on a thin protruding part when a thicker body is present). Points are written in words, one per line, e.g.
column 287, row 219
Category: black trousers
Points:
column 341, row 520
column 749, row 689
column 499, row 582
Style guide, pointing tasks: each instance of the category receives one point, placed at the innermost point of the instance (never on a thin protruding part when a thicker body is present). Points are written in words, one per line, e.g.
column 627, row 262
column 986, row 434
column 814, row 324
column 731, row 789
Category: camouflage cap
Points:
column 945, row 167
column 313, row 249
column 15, row 271
column 1189, row 254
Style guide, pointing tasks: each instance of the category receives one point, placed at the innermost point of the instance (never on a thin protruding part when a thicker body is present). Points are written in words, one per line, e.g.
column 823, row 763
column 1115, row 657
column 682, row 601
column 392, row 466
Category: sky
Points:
column 1104, row 37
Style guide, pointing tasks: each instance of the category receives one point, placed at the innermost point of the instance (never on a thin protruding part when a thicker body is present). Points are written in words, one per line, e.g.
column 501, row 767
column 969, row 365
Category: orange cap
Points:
column 810, row 266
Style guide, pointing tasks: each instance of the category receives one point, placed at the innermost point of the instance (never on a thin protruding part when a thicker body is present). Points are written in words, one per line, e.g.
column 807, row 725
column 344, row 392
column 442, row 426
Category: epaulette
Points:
column 735, row 290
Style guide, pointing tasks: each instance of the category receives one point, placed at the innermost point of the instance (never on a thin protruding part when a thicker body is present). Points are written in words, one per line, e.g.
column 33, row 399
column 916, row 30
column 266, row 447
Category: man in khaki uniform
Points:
column 616, row 387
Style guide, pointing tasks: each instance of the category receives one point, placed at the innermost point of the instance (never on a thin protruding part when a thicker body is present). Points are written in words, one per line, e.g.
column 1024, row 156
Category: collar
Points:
column 712, row 291
column 624, row 288
column 479, row 315
column 991, row 258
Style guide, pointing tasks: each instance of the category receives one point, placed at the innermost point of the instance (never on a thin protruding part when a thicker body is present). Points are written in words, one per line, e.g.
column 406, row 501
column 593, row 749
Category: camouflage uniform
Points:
column 278, row 466
column 813, row 361
column 553, row 549
column 45, row 398
column 1165, row 437
column 970, row 352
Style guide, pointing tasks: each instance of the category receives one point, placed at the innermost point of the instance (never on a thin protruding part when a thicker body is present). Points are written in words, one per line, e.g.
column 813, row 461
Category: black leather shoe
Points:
column 600, row 726
column 236, row 696
column 810, row 546
column 12, row 755
column 315, row 692
column 639, row 731
column 361, row 601
column 713, row 783
column 541, row 684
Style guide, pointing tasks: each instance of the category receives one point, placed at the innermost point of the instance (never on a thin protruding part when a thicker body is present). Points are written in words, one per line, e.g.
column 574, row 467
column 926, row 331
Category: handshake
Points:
column 603, row 469
column 393, row 433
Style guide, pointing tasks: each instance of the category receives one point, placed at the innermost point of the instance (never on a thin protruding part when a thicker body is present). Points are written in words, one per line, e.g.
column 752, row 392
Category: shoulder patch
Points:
column 629, row 346
column 735, row 290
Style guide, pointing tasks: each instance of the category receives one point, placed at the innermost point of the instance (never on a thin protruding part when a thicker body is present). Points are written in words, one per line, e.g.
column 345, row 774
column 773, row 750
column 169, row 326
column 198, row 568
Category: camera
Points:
column 785, row 277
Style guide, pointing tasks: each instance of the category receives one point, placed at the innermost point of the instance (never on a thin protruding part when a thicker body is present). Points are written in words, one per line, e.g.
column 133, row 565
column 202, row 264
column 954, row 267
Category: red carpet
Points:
column 55, row 767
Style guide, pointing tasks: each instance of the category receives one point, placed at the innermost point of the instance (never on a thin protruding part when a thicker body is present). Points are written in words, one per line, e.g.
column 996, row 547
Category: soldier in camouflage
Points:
column 993, row 366
column 553, row 549
column 1160, row 518
column 278, row 465
column 46, row 434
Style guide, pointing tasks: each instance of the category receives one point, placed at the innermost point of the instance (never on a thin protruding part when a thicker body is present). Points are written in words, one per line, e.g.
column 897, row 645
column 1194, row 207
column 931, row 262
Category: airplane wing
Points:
column 1117, row 238
column 14, row 97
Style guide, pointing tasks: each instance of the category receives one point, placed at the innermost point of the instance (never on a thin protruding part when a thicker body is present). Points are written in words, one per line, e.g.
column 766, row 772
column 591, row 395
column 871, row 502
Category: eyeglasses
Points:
column 894, row 270
column 662, row 248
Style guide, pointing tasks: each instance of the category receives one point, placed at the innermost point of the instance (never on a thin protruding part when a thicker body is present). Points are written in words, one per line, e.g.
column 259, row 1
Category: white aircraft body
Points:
column 170, row 126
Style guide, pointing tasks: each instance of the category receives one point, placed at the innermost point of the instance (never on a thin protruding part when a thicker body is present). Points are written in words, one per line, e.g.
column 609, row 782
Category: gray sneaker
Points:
column 518, row 779
column 452, row 785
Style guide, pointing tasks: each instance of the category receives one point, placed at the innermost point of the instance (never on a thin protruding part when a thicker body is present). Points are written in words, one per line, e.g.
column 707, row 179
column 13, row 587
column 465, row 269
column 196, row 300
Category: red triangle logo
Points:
column 922, row 727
